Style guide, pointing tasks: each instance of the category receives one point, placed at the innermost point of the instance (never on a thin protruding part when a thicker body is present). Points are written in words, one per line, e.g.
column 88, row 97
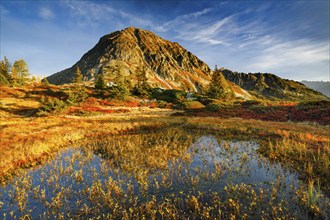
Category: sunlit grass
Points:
column 25, row 140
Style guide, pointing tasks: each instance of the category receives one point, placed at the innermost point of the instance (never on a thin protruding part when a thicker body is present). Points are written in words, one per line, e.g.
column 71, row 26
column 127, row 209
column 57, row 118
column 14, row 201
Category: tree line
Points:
column 120, row 86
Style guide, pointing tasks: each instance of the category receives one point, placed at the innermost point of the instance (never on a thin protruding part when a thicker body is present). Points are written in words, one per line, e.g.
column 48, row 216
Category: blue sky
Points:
column 287, row 38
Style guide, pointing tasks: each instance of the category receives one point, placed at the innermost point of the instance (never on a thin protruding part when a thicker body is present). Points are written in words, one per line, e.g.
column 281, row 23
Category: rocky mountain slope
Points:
column 272, row 87
column 320, row 86
column 168, row 65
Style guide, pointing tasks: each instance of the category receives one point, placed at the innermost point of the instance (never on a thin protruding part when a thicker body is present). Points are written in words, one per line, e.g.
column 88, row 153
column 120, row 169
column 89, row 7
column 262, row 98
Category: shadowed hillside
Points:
column 272, row 87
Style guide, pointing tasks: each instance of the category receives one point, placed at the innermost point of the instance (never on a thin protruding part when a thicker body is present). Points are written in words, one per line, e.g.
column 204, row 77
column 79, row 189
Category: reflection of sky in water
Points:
column 239, row 160
column 238, row 163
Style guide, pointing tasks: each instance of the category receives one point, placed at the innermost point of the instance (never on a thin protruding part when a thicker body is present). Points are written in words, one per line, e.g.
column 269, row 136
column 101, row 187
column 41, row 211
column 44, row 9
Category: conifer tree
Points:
column 121, row 88
column 219, row 87
column 5, row 69
column 142, row 88
column 78, row 76
column 99, row 82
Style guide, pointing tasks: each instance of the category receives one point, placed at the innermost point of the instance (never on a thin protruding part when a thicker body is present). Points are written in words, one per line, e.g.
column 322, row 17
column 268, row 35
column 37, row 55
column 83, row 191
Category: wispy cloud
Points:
column 135, row 20
column 46, row 13
column 87, row 13
column 238, row 29
column 210, row 34
column 292, row 53
column 90, row 11
column 181, row 20
column 193, row 27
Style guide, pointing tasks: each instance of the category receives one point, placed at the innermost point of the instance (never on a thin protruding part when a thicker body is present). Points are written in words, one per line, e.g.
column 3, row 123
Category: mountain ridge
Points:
column 272, row 86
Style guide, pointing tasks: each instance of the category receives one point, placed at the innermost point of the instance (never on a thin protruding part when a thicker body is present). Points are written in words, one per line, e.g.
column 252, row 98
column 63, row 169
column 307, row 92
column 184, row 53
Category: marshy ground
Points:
column 145, row 163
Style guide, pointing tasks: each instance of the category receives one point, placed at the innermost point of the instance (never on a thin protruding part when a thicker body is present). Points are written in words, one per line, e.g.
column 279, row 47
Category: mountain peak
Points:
column 168, row 65
column 132, row 29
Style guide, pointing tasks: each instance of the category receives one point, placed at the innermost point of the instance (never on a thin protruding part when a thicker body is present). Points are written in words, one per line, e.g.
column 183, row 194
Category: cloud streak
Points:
column 91, row 14
column 206, row 34
column 181, row 19
column 46, row 13
column 193, row 27
column 283, row 56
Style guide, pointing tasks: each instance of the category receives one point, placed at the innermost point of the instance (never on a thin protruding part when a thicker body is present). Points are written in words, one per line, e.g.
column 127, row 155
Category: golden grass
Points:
column 26, row 141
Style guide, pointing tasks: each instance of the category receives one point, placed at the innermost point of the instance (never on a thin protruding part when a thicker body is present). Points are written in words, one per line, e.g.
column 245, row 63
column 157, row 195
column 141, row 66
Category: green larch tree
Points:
column 78, row 76
column 219, row 87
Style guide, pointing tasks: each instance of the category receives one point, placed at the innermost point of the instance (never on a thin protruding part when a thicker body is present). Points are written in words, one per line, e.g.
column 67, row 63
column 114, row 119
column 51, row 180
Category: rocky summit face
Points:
column 167, row 65
column 272, row 87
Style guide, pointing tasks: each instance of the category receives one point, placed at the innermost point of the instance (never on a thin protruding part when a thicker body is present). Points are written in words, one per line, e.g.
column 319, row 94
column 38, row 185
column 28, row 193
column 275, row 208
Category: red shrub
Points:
column 92, row 101
column 106, row 102
column 131, row 104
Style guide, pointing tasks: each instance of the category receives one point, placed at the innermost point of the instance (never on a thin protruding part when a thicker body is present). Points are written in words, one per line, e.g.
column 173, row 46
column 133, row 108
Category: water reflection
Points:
column 92, row 181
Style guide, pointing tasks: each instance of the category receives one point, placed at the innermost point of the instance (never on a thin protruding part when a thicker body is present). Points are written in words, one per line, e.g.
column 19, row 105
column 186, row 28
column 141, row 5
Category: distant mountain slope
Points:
column 321, row 86
column 272, row 87
column 168, row 65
